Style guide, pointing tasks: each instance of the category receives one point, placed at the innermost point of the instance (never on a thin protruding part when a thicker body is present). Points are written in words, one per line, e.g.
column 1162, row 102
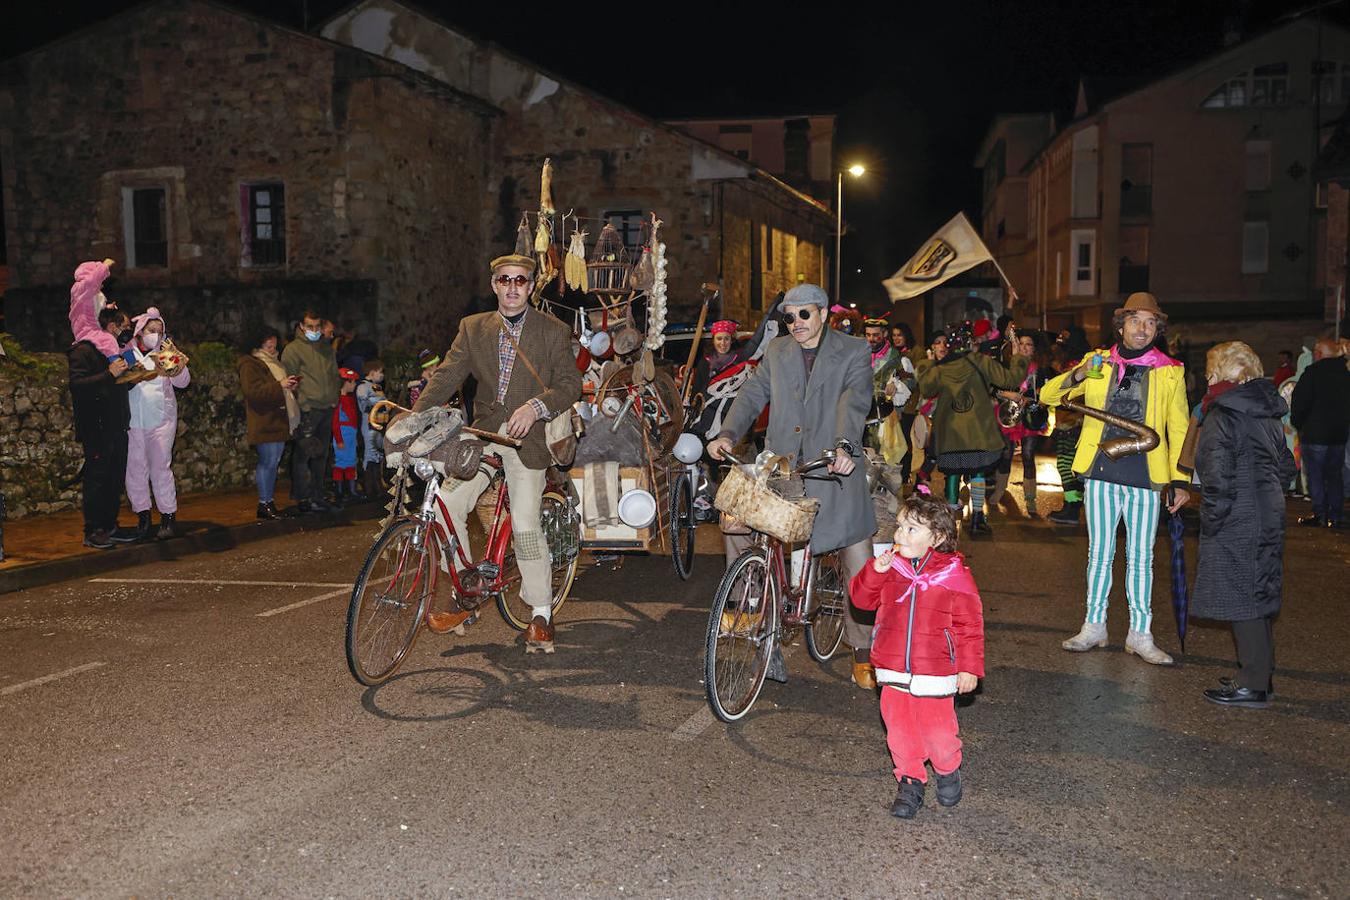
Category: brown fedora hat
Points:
column 1142, row 301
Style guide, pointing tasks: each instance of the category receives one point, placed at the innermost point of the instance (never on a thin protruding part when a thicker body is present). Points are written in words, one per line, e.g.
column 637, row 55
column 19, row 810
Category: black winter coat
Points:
column 1320, row 406
column 1243, row 465
column 101, row 407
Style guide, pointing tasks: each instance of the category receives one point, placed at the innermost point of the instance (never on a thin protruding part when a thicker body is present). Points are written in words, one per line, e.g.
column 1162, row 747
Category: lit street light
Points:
column 857, row 171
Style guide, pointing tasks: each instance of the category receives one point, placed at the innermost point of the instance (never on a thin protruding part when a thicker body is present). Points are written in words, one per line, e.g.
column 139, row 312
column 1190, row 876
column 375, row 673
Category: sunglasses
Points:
column 802, row 314
column 508, row 280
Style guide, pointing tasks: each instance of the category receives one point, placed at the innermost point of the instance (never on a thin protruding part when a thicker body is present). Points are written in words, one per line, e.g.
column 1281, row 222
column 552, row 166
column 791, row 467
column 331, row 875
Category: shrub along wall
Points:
column 39, row 454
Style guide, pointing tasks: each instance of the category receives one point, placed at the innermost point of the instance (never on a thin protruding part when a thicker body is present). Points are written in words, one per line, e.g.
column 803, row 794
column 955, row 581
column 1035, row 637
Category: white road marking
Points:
column 219, row 582
column 693, row 726
column 15, row 688
column 345, row 589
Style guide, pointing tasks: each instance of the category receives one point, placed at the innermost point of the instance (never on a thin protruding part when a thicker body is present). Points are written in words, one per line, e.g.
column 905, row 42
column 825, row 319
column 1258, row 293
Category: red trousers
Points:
column 919, row 729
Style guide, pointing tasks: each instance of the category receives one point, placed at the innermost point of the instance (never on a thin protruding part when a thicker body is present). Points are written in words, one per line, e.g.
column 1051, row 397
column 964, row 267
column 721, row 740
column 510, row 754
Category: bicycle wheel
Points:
column 390, row 598
column 683, row 528
column 825, row 629
column 742, row 628
column 560, row 523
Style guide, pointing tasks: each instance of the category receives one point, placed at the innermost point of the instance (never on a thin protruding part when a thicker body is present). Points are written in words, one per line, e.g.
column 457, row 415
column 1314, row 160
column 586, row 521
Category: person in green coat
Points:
column 966, row 437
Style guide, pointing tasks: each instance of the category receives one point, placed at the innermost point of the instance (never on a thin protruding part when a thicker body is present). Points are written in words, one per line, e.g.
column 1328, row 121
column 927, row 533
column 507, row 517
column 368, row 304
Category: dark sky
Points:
column 915, row 86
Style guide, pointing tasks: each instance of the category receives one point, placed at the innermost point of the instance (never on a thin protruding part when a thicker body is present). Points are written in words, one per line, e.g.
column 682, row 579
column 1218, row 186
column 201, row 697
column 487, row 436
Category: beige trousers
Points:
column 857, row 634
column 525, row 485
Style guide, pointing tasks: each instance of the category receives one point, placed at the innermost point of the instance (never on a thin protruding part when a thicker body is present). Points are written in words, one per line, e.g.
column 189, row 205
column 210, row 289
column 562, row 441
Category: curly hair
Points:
column 1233, row 361
column 933, row 514
column 1118, row 324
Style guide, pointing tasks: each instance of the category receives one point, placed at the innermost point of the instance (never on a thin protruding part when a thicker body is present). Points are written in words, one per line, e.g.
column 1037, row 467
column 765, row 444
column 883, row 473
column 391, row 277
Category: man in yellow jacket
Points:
column 1136, row 381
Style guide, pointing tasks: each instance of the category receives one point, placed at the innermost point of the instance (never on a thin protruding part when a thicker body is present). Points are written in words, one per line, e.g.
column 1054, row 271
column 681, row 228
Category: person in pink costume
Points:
column 154, row 424
column 86, row 299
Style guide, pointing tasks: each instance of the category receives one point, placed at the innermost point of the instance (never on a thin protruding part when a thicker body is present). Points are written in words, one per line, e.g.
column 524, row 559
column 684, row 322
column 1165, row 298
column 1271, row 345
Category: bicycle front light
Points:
column 423, row 469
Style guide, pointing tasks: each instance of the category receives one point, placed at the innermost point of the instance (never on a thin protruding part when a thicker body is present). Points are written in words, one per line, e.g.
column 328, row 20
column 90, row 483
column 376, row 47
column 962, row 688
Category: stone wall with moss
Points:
column 39, row 456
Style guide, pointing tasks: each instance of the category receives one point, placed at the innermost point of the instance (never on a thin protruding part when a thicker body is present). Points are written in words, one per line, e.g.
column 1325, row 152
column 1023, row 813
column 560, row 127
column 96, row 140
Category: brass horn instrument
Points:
column 1144, row 440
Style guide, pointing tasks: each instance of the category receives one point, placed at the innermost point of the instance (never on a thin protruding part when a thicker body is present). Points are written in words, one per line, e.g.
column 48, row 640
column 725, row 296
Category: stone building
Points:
column 1197, row 187
column 238, row 171
column 797, row 149
column 727, row 220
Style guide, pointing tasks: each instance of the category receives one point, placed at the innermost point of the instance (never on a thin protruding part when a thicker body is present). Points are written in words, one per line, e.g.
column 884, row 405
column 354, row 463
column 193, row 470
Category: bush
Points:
column 31, row 365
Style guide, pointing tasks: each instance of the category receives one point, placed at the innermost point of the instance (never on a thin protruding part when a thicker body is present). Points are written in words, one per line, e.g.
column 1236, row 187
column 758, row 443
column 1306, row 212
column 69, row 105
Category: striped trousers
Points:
column 1105, row 504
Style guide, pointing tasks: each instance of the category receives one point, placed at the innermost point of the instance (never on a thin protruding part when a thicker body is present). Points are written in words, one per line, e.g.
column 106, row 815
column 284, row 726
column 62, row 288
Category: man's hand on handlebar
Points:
column 720, row 448
column 842, row 463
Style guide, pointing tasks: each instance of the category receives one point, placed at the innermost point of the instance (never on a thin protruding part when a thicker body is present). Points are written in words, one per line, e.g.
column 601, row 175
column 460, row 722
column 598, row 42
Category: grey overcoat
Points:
column 808, row 417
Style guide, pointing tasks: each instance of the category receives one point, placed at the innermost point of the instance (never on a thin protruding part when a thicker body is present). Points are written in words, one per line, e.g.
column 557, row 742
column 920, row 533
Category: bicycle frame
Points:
column 796, row 594
column 435, row 516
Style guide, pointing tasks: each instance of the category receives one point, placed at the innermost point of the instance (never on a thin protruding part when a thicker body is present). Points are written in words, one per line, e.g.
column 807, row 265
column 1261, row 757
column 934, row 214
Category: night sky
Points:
column 915, row 86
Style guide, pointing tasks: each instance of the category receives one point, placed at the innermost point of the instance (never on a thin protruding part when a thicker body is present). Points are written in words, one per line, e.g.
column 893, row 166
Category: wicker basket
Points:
column 486, row 506
column 752, row 502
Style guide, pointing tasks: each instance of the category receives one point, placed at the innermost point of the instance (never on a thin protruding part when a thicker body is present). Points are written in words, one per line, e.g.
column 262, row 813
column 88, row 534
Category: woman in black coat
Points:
column 1243, row 464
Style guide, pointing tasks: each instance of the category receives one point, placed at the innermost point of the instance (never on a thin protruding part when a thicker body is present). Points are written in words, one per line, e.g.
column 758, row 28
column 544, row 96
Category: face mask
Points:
column 125, row 335
column 313, row 335
column 149, row 340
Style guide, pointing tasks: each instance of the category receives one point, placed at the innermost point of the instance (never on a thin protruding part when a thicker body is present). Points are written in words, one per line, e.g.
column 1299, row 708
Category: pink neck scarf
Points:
column 1153, row 358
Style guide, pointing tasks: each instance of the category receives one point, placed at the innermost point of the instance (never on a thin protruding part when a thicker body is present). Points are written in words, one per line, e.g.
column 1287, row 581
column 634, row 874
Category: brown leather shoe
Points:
column 445, row 622
column 865, row 676
column 539, row 636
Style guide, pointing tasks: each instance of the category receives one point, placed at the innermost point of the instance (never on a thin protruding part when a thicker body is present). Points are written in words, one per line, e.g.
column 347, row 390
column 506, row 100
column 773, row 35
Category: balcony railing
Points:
column 1136, row 200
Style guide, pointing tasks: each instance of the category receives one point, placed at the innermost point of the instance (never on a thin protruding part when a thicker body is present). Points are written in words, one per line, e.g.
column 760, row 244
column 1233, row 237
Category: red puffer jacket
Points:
column 939, row 607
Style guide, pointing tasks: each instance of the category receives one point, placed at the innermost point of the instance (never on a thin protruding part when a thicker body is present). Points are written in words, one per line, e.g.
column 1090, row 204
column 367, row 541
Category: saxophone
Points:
column 1144, row 440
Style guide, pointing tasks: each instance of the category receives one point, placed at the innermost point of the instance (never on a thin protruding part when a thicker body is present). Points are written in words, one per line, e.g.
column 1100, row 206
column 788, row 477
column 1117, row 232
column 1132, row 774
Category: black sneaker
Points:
column 120, row 535
column 948, row 788
column 1068, row 515
column 98, row 540
column 909, row 799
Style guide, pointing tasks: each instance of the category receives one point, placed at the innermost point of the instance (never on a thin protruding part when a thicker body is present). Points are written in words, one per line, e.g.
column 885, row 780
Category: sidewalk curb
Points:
column 213, row 540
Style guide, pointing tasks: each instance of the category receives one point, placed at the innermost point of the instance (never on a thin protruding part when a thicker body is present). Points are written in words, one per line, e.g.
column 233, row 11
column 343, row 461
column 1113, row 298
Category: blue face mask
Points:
column 313, row 335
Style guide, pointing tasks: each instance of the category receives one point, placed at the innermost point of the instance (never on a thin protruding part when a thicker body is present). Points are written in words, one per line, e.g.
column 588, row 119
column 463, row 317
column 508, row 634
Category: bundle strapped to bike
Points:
column 768, row 498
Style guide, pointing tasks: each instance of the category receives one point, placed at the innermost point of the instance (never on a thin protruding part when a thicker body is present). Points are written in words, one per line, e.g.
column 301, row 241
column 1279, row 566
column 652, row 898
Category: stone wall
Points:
column 38, row 451
column 383, row 171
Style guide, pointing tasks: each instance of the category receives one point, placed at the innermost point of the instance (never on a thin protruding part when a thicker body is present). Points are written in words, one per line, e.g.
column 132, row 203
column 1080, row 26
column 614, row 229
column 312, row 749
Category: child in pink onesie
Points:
column 86, row 299
column 154, row 424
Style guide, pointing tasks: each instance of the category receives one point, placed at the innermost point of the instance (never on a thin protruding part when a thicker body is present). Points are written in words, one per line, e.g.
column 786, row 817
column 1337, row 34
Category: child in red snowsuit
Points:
column 928, row 646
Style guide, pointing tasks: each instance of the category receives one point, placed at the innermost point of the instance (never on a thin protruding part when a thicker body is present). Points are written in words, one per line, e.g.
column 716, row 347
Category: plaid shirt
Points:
column 506, row 361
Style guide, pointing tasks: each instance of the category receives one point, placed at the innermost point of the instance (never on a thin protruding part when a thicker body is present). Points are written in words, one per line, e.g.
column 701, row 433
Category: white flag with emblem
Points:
column 955, row 248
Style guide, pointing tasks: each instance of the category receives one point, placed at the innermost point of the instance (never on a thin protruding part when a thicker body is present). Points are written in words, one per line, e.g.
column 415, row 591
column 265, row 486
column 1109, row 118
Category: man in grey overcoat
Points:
column 817, row 383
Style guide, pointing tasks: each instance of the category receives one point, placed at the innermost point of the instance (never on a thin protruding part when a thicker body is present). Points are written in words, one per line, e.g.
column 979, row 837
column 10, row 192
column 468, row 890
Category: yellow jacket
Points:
column 1164, row 411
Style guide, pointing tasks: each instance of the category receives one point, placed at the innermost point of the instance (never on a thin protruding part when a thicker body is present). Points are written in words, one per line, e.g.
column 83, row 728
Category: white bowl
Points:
column 637, row 508
column 688, row 448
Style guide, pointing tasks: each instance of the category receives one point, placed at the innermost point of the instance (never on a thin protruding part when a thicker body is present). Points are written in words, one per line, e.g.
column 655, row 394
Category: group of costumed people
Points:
column 124, row 376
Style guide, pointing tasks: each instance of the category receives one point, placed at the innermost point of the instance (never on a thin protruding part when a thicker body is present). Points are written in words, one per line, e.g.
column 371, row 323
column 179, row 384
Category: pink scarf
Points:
column 942, row 570
column 1152, row 358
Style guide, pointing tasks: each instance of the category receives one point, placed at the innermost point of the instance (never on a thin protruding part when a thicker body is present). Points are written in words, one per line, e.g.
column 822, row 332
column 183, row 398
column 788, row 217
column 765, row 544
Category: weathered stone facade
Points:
column 384, row 171
column 608, row 157
column 39, row 453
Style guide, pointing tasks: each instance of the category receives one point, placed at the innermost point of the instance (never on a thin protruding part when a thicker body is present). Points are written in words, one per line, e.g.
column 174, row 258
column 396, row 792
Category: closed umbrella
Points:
column 1181, row 596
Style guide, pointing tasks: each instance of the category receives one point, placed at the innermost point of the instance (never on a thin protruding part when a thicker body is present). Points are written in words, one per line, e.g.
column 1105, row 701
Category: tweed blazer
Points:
column 548, row 344
column 807, row 416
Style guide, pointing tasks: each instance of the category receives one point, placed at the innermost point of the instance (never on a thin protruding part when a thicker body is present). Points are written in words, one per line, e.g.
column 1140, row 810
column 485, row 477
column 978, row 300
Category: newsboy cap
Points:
column 806, row 295
column 513, row 259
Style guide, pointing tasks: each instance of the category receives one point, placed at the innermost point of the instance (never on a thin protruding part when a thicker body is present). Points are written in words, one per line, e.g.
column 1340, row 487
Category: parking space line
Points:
column 223, row 583
column 693, row 726
column 345, row 589
column 15, row 688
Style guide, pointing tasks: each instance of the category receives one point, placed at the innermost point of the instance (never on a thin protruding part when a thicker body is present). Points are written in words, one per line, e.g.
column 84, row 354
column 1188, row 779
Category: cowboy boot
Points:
column 1093, row 634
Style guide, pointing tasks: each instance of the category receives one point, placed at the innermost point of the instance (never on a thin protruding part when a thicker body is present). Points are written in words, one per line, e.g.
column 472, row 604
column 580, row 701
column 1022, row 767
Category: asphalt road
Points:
column 186, row 731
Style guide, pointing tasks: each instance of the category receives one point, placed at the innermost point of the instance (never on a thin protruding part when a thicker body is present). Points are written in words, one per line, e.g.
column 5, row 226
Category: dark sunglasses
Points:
column 517, row 280
column 803, row 314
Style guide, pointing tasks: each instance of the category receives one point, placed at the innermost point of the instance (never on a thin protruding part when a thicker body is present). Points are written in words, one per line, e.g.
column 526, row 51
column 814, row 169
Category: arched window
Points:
column 1266, row 85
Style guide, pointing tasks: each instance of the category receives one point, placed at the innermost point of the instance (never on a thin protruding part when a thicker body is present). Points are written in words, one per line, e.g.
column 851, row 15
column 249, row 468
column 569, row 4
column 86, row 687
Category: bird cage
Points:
column 609, row 267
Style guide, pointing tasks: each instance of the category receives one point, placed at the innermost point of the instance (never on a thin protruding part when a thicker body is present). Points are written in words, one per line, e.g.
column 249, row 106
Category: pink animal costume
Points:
column 86, row 300
column 154, row 423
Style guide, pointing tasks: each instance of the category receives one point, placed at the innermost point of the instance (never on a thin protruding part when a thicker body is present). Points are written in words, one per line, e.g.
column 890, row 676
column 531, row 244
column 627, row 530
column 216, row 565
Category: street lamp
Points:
column 857, row 171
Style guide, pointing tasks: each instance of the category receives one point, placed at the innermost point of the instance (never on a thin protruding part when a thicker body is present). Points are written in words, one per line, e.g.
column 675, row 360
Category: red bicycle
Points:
column 419, row 555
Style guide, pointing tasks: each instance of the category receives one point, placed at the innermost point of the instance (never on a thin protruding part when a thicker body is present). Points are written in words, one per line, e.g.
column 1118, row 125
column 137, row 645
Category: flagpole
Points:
column 1011, row 290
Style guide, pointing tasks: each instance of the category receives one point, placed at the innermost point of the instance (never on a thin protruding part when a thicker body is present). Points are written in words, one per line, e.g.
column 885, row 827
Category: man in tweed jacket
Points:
column 510, row 399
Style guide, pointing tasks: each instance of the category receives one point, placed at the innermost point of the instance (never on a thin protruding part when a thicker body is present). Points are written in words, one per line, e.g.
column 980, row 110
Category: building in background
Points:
column 1197, row 187
column 238, row 171
column 796, row 149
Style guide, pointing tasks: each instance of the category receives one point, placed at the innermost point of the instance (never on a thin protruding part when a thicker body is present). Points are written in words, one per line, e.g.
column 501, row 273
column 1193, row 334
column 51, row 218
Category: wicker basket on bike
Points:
column 757, row 500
